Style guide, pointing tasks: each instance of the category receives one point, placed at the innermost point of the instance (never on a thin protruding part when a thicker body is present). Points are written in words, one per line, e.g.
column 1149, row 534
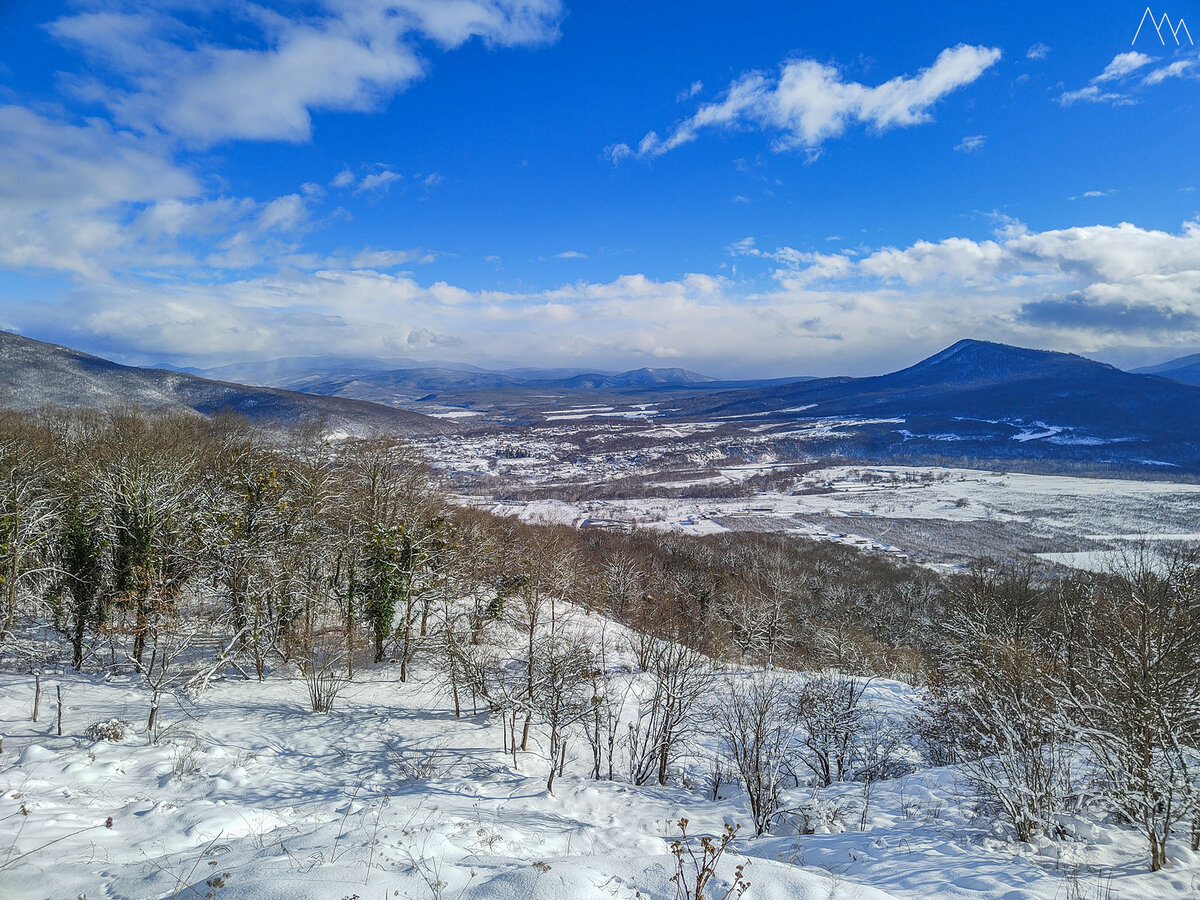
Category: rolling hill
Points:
column 34, row 374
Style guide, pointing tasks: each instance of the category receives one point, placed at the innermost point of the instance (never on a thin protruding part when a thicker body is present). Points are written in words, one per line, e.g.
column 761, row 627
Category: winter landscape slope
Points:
column 246, row 794
column 34, row 374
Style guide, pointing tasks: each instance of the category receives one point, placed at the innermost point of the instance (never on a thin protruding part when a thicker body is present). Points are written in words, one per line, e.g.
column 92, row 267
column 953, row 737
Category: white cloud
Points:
column 72, row 191
column 614, row 153
column 1104, row 87
column 810, row 102
column 971, row 143
column 1084, row 288
column 570, row 254
column 378, row 182
column 342, row 56
column 1181, row 68
column 1121, row 65
column 693, row 89
column 1037, row 51
column 1093, row 94
column 386, row 259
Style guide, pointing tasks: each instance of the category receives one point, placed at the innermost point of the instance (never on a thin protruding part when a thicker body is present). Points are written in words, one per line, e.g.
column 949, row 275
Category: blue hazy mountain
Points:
column 1185, row 369
column 980, row 400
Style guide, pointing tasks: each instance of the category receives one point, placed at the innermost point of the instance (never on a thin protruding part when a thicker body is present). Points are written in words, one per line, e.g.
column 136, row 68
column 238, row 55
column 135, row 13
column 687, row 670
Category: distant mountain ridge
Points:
column 407, row 387
column 34, row 374
column 978, row 399
column 1185, row 369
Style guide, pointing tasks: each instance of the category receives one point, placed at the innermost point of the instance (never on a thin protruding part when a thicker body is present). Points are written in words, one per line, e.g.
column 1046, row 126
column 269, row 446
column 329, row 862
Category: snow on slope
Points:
column 249, row 795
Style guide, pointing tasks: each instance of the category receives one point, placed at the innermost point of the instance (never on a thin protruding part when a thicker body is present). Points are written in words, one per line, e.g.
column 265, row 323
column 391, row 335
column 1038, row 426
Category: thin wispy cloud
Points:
column 1181, row 68
column 377, row 182
column 1121, row 65
column 809, row 102
column 971, row 143
column 1121, row 80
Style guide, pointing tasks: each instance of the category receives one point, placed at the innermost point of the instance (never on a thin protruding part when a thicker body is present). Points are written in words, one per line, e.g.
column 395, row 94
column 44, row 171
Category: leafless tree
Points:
column 829, row 712
column 757, row 726
column 1136, row 699
column 668, row 709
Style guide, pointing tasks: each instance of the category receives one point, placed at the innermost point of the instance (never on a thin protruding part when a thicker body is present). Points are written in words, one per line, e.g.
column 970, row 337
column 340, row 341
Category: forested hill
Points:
column 34, row 374
column 982, row 400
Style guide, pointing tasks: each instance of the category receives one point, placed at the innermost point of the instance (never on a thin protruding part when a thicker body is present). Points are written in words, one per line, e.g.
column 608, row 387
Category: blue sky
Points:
column 741, row 189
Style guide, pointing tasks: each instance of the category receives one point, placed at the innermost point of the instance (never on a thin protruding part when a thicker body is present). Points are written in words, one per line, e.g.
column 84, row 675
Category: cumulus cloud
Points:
column 281, row 69
column 1083, row 288
column 810, row 102
column 73, row 194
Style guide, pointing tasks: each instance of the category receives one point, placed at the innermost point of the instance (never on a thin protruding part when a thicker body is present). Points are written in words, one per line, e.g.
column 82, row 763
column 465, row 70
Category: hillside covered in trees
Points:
column 183, row 597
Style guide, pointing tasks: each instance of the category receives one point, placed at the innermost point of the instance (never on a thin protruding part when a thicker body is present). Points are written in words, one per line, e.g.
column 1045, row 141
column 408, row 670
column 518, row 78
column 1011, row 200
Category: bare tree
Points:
column 27, row 518
column 668, row 711
column 561, row 696
column 999, row 656
column 610, row 691
column 829, row 713
column 1136, row 700
column 756, row 725
column 147, row 485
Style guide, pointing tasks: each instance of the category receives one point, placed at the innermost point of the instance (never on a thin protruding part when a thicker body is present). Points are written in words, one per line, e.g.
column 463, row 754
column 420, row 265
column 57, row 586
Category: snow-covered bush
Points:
column 114, row 730
column 820, row 814
column 829, row 713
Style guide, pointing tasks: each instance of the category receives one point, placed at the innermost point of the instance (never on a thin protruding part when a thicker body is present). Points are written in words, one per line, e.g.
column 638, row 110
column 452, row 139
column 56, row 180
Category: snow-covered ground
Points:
column 249, row 795
column 880, row 508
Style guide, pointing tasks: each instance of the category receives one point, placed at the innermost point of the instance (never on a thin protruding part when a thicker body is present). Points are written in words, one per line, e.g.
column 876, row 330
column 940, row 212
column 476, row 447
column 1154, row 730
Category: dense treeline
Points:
column 181, row 549
column 113, row 524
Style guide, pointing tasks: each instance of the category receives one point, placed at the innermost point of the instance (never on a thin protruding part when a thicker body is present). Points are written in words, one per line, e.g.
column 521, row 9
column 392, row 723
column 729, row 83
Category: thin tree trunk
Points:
column 153, row 716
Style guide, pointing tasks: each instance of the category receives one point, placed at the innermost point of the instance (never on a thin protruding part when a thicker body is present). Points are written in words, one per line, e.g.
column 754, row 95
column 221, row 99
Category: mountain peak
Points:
column 972, row 360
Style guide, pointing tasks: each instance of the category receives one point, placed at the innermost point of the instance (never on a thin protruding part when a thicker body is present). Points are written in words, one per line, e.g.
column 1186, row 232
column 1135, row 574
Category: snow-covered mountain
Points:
column 34, row 374
column 981, row 400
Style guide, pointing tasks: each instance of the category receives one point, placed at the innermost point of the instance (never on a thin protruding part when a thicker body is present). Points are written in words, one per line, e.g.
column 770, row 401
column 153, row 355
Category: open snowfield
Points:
column 247, row 794
column 935, row 514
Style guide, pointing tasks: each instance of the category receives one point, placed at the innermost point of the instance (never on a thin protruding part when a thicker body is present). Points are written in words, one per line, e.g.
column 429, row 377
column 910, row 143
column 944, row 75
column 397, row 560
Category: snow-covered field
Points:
column 1073, row 521
column 249, row 795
